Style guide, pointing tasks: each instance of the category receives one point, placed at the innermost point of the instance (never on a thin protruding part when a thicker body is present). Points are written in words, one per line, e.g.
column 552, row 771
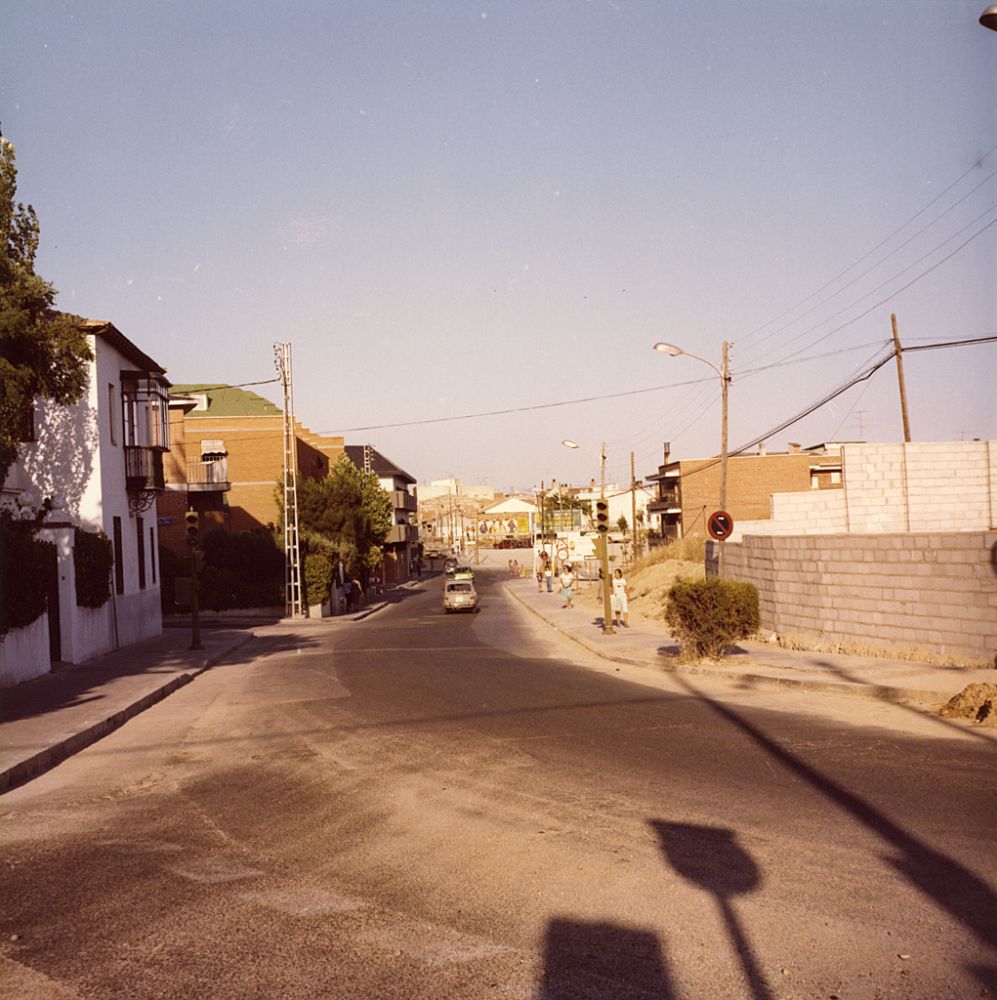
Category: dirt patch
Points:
column 648, row 587
column 977, row 702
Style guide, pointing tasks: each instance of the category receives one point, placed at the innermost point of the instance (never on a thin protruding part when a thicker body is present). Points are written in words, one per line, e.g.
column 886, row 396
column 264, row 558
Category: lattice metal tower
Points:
column 292, row 550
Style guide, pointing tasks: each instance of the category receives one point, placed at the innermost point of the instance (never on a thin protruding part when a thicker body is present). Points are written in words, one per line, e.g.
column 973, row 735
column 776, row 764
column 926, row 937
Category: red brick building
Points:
column 689, row 491
column 226, row 460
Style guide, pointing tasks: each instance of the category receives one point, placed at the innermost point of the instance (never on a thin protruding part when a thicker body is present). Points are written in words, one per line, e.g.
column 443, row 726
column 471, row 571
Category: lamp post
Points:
column 724, row 372
column 989, row 17
column 603, row 541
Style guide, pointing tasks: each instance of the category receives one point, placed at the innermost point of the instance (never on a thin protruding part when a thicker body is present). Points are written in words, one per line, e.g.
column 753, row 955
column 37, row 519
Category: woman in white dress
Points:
column 621, row 599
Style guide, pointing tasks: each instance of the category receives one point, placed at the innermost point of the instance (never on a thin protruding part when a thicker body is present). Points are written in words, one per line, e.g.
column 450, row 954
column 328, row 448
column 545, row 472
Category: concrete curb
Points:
column 50, row 757
column 877, row 692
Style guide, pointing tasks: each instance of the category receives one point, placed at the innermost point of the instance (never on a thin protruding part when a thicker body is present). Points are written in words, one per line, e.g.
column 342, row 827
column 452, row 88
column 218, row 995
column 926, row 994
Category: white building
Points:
column 100, row 464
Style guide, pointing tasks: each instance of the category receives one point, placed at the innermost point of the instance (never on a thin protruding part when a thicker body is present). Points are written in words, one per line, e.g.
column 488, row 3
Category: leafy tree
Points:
column 42, row 352
column 347, row 515
column 622, row 524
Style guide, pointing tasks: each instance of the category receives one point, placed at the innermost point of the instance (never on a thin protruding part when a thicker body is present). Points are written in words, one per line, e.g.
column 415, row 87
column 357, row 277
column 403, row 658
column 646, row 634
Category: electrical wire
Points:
column 979, row 162
column 882, row 260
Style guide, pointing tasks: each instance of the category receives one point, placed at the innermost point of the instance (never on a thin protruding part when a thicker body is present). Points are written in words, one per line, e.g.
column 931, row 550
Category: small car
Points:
column 450, row 566
column 463, row 573
column 459, row 595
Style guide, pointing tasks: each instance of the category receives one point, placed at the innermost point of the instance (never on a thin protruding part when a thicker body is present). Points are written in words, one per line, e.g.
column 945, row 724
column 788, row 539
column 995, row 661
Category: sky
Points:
column 457, row 208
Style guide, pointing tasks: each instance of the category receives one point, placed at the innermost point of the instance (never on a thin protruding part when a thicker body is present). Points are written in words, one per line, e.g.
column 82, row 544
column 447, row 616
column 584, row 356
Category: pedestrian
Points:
column 348, row 593
column 515, row 568
column 510, row 568
column 357, row 591
column 567, row 582
column 540, row 579
column 549, row 578
column 621, row 599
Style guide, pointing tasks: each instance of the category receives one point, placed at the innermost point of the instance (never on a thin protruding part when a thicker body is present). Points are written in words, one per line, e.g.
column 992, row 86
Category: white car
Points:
column 459, row 595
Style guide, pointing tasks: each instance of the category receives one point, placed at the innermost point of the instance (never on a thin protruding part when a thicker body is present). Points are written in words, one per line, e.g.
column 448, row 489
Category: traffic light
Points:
column 602, row 516
column 190, row 520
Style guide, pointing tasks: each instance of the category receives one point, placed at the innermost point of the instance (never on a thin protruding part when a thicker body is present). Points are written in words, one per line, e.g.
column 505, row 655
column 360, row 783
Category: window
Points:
column 119, row 566
column 112, row 413
column 140, row 536
column 152, row 554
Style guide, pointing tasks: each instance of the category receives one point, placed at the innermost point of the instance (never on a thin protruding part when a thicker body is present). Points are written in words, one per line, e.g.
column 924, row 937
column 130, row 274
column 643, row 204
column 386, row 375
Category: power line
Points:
column 892, row 294
column 893, row 252
column 979, row 162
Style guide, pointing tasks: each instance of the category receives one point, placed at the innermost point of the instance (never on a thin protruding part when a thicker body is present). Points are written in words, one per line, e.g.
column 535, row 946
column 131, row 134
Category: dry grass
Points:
column 649, row 581
column 811, row 644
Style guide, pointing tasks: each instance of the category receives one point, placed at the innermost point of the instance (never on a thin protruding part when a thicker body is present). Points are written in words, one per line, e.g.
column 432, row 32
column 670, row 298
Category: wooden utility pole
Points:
column 898, row 352
column 633, row 509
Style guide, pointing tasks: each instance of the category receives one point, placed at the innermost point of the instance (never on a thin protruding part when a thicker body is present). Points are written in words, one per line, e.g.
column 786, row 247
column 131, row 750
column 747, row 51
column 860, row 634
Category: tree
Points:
column 347, row 515
column 42, row 352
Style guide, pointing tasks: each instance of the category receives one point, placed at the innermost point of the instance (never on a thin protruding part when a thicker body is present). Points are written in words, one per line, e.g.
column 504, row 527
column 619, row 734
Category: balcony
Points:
column 403, row 500
column 668, row 501
column 399, row 534
column 143, row 469
column 207, row 476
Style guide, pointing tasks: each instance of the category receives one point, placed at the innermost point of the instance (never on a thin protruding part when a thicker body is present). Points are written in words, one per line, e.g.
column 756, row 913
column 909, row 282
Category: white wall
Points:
column 24, row 653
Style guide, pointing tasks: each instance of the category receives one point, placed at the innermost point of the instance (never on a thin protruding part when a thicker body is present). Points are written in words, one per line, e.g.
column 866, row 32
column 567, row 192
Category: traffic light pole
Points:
column 192, row 528
column 195, row 606
column 607, row 588
column 602, row 526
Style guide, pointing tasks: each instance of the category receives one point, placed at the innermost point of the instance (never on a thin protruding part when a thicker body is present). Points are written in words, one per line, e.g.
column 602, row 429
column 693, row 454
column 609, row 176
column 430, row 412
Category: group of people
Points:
column 619, row 599
column 514, row 567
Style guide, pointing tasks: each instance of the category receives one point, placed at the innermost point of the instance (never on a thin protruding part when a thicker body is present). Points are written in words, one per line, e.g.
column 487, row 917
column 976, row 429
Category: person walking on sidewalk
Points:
column 621, row 599
column 549, row 577
column 567, row 582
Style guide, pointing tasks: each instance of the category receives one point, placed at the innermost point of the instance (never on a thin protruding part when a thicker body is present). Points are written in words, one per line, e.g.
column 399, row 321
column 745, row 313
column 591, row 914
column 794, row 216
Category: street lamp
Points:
column 989, row 17
column 724, row 372
column 602, row 461
column 602, row 541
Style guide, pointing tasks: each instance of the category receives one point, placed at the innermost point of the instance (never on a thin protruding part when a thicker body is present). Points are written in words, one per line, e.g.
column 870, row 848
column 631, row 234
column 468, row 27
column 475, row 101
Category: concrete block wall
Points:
column 925, row 590
column 813, row 512
column 923, row 486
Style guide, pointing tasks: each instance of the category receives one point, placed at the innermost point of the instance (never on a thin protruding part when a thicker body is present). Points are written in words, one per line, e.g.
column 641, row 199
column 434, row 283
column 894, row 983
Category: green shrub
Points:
column 241, row 571
column 318, row 578
column 93, row 557
column 24, row 568
column 706, row 616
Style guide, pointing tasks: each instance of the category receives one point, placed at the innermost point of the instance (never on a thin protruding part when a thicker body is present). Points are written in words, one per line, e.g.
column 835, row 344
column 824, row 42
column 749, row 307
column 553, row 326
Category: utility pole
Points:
column 633, row 509
column 724, row 381
column 898, row 353
column 294, row 605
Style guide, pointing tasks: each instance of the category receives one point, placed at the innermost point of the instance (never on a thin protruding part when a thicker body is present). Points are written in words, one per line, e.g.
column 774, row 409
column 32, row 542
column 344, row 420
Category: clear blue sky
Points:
column 454, row 207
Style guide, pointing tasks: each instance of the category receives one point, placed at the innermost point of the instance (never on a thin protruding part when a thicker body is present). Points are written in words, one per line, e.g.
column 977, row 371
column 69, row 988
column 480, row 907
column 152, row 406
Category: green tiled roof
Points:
column 225, row 401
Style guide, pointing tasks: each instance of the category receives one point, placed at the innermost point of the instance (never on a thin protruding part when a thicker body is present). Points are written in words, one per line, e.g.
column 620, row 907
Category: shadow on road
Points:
column 602, row 961
column 711, row 858
column 955, row 889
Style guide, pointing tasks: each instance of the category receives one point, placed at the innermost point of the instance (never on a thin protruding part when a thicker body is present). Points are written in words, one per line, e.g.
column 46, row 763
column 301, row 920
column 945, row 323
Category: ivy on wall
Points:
column 93, row 556
column 24, row 569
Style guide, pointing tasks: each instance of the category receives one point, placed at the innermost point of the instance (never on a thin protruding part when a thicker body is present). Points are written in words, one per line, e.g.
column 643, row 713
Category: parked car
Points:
column 459, row 595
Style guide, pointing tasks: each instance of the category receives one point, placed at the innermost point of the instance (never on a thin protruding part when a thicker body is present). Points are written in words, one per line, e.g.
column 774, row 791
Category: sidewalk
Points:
column 758, row 664
column 45, row 720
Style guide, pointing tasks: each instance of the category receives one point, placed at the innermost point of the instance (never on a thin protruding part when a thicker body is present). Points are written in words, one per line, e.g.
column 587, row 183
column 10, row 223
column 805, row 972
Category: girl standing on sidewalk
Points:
column 567, row 582
column 621, row 599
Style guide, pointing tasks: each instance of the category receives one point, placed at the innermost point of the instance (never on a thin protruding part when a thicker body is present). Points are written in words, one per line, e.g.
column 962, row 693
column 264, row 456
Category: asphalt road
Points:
column 422, row 805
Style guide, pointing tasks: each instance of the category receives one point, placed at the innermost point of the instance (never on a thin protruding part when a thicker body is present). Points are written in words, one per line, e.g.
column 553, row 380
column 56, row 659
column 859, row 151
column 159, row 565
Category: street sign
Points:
column 720, row 525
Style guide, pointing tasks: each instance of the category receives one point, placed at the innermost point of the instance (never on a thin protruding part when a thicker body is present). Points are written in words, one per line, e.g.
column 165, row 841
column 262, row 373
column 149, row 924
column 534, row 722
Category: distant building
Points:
column 400, row 545
column 100, row 464
column 449, row 511
column 688, row 491
column 227, row 459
